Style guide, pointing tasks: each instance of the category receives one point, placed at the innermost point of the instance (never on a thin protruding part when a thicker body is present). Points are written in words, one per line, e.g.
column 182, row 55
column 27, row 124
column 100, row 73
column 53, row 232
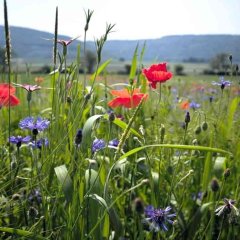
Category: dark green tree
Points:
column 91, row 60
column 220, row 62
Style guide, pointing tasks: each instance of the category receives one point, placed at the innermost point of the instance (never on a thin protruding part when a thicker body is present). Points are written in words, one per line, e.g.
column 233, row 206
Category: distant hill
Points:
column 30, row 45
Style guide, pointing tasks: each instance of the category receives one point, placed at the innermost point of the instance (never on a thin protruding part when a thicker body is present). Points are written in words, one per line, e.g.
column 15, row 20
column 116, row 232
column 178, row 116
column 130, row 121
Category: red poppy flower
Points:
column 185, row 105
column 157, row 73
column 123, row 98
column 7, row 95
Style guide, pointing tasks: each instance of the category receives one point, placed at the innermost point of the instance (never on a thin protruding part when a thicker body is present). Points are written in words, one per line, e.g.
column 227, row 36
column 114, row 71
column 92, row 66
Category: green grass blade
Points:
column 22, row 233
column 100, row 69
column 123, row 125
column 174, row 146
column 134, row 65
column 65, row 181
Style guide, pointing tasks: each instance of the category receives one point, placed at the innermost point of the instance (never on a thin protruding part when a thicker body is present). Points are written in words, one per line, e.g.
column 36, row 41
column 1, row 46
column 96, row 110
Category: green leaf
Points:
column 65, row 181
column 99, row 199
column 100, row 69
column 134, row 64
column 175, row 146
column 123, row 125
column 87, row 131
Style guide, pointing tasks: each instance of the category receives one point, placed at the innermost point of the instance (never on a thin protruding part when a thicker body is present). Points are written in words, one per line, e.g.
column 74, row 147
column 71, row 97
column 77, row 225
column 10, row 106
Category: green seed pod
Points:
column 204, row 126
column 198, row 130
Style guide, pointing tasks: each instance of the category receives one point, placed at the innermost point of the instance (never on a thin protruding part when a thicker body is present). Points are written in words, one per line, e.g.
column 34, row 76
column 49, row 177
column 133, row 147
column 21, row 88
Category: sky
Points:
column 133, row 19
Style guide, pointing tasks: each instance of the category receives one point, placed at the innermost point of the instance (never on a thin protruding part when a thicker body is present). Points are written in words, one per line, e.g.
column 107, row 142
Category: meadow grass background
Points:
column 65, row 190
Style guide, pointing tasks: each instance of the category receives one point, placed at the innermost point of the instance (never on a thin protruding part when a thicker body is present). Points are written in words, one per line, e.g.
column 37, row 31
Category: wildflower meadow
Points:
column 154, row 156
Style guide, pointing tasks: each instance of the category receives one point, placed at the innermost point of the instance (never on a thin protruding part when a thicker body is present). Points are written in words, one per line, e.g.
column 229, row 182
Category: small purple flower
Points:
column 39, row 143
column 98, row 144
column 194, row 105
column 223, row 83
column 113, row 143
column 18, row 140
column 36, row 126
column 157, row 218
column 35, row 196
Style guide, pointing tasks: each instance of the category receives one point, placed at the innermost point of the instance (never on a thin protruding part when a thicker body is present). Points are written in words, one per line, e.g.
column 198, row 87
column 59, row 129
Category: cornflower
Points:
column 157, row 218
column 98, row 144
column 36, row 126
column 18, row 140
column 223, row 83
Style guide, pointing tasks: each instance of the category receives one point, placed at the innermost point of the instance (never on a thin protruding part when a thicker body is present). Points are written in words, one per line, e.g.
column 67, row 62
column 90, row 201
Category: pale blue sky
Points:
column 134, row 19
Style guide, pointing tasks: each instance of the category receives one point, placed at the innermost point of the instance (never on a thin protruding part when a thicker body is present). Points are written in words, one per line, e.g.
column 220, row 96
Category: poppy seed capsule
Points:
column 198, row 130
column 204, row 126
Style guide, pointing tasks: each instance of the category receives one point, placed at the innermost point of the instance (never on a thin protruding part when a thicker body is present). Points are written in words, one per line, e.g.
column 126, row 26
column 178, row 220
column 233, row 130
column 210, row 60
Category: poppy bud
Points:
column 198, row 130
column 204, row 126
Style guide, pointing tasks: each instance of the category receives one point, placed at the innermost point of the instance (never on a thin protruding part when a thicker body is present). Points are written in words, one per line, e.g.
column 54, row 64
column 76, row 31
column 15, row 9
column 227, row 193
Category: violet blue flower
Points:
column 39, row 143
column 36, row 126
column 194, row 105
column 223, row 83
column 157, row 218
column 18, row 140
column 113, row 143
column 98, row 144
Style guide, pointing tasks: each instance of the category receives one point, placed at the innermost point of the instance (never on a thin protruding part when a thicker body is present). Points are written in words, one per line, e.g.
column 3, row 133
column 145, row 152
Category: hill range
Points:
column 31, row 45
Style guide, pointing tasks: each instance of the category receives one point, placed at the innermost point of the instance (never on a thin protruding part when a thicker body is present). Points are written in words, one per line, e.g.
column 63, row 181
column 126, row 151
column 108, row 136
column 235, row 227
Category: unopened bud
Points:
column 227, row 173
column 138, row 205
column 204, row 126
column 214, row 185
column 198, row 130
column 187, row 118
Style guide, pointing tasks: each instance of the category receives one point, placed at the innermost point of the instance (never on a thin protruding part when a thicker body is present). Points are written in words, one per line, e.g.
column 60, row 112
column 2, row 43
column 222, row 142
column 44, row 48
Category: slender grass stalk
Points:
column 88, row 16
column 8, row 62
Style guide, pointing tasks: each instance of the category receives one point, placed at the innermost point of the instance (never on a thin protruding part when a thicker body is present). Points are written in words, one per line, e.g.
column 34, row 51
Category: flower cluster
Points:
column 36, row 126
column 99, row 144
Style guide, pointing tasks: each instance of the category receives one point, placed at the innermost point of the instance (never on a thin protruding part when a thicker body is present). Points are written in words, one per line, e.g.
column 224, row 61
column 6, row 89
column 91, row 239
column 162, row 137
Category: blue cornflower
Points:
column 223, row 83
column 35, row 196
column 113, row 143
column 18, row 140
column 98, row 144
column 157, row 218
column 194, row 105
column 39, row 143
column 36, row 126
